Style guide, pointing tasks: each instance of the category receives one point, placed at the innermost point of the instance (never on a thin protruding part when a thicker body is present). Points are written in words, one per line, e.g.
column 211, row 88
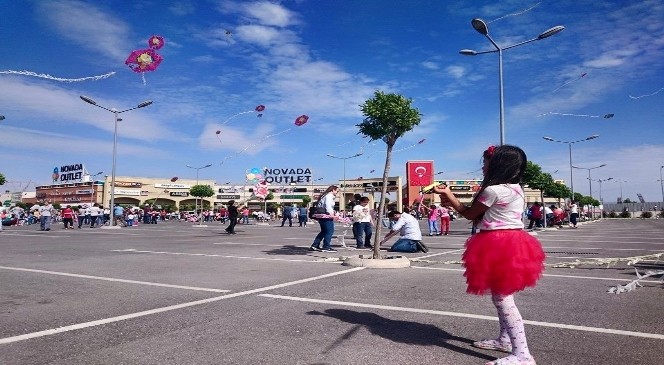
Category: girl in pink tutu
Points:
column 502, row 258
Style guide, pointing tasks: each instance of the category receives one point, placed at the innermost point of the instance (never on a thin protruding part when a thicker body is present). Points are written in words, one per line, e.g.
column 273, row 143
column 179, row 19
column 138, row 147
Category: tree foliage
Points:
column 387, row 118
column 201, row 191
column 2, row 179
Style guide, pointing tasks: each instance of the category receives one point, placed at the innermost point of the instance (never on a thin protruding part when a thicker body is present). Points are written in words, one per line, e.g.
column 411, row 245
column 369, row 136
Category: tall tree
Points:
column 2, row 179
column 387, row 117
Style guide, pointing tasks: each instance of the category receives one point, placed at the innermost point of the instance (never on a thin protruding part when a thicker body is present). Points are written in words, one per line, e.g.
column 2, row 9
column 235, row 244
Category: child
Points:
column 502, row 258
column 432, row 213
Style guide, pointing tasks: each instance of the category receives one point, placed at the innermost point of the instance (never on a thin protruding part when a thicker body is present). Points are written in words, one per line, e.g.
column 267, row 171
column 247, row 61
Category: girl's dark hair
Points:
column 506, row 165
column 330, row 188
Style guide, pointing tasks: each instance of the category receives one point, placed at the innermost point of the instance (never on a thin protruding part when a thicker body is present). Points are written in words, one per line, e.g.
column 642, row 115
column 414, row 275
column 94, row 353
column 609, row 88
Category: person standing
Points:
column 362, row 223
column 302, row 218
column 287, row 214
column 325, row 220
column 432, row 213
column 81, row 215
column 245, row 215
column 45, row 210
column 232, row 217
column 445, row 219
column 68, row 217
column 573, row 213
column 535, row 215
column 502, row 258
column 118, row 215
column 95, row 212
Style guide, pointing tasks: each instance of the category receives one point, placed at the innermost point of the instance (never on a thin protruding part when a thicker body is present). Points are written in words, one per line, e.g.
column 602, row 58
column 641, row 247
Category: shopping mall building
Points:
column 74, row 186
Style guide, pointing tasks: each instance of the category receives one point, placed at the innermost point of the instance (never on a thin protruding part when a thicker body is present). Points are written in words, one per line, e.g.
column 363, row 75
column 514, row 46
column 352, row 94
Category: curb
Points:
column 387, row 262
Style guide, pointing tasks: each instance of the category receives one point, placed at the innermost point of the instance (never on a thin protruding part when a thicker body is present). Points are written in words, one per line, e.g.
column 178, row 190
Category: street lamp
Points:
column 92, row 186
column 661, row 185
column 115, row 145
column 590, row 181
column 621, row 191
column 481, row 27
column 600, row 181
column 342, row 202
column 569, row 144
column 200, row 219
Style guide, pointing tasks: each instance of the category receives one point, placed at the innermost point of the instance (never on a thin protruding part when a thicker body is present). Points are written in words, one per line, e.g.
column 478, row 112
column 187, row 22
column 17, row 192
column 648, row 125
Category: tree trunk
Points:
column 381, row 205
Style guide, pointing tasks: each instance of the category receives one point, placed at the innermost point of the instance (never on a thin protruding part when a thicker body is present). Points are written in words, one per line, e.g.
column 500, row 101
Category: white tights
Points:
column 511, row 326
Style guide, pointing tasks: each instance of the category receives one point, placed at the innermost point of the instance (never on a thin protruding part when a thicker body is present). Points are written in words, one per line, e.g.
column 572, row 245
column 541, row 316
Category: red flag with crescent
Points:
column 420, row 173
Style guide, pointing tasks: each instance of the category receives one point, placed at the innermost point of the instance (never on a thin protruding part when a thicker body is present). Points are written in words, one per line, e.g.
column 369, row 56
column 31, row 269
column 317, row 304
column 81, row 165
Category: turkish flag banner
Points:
column 420, row 173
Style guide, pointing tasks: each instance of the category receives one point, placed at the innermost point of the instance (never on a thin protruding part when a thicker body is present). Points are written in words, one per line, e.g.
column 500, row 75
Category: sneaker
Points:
column 329, row 250
column 493, row 345
column 314, row 248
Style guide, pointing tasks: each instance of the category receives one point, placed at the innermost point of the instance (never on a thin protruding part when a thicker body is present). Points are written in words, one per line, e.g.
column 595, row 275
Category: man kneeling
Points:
column 410, row 235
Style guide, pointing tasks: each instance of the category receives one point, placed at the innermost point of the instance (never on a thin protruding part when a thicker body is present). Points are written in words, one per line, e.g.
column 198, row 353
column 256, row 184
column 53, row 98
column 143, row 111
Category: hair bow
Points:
column 490, row 150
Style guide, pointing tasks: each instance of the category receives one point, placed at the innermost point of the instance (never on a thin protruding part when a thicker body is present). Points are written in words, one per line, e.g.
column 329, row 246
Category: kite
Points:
column 606, row 116
column 643, row 96
column 260, row 190
column 49, row 77
column 372, row 171
column 174, row 179
column 258, row 109
column 299, row 121
column 218, row 132
column 515, row 14
column 144, row 60
column 254, row 175
column 569, row 82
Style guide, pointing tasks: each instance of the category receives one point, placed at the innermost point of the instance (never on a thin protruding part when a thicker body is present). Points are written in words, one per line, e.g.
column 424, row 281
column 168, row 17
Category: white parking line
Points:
column 549, row 275
column 131, row 250
column 113, row 279
column 438, row 254
column 468, row 315
column 165, row 309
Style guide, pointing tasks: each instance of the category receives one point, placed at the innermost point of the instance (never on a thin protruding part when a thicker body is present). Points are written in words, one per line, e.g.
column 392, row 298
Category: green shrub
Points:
column 625, row 215
column 646, row 214
column 613, row 214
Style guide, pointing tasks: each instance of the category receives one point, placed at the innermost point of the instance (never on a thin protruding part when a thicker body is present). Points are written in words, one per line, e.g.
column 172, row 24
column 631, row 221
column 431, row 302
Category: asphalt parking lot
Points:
column 173, row 294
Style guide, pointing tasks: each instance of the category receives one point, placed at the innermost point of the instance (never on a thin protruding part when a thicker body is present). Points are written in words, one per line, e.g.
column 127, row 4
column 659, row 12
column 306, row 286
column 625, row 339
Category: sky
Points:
column 323, row 59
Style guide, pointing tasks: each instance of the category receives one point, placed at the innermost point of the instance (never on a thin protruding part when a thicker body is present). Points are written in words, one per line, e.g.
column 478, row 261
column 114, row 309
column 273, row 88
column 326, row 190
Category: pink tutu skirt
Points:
column 502, row 261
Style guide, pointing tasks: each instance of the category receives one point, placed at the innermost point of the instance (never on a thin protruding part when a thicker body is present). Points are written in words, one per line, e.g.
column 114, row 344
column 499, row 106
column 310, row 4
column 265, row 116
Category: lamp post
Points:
column 600, row 181
column 481, row 27
column 590, row 181
column 661, row 185
column 342, row 202
column 621, row 191
column 92, row 186
column 569, row 144
column 200, row 215
column 115, row 145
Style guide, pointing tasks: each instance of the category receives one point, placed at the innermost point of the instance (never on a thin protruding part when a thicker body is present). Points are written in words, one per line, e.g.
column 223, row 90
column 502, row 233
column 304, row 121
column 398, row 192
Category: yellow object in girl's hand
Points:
column 429, row 188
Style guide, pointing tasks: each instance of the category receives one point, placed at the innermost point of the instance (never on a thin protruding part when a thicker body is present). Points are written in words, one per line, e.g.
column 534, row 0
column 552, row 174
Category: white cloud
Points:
column 430, row 65
column 456, row 71
column 269, row 14
column 86, row 25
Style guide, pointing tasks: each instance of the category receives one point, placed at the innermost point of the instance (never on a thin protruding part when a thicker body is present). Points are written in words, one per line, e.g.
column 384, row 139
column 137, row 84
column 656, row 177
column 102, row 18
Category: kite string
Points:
column 569, row 115
column 643, row 96
column 253, row 145
column 515, row 14
column 236, row 115
column 49, row 77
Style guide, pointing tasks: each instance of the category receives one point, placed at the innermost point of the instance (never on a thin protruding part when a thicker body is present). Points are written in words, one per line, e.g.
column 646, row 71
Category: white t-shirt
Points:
column 505, row 202
column 408, row 227
column 574, row 209
column 361, row 214
column 45, row 210
column 94, row 211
